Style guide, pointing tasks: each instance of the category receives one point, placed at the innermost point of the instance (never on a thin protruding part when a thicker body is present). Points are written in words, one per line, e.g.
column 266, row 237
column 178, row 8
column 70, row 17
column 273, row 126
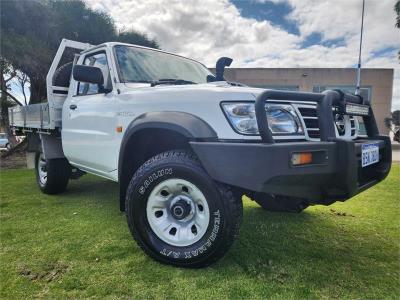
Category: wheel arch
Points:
column 153, row 133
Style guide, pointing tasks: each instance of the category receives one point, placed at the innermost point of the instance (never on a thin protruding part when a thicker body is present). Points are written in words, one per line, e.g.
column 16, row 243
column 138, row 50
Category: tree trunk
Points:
column 5, row 122
column 4, row 104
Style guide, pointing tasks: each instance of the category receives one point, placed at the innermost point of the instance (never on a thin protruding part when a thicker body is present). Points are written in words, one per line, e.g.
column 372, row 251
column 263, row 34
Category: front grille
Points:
column 353, row 126
column 310, row 119
column 308, row 112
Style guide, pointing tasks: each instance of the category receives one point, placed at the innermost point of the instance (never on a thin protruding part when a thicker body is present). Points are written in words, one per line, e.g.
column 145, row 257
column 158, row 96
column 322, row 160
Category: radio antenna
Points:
column 359, row 53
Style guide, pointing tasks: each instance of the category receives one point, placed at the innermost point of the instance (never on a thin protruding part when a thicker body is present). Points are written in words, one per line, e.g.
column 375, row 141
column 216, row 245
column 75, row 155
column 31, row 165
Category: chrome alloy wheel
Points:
column 42, row 169
column 177, row 212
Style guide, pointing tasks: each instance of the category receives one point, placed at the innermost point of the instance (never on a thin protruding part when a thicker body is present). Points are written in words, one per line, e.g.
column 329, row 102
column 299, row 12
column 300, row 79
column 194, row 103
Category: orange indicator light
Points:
column 118, row 129
column 301, row 158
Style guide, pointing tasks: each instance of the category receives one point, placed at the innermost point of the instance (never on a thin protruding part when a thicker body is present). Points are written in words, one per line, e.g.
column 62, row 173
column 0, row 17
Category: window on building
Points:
column 365, row 92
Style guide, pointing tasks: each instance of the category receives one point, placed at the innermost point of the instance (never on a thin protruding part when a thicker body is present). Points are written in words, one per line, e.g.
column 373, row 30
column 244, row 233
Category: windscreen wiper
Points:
column 171, row 81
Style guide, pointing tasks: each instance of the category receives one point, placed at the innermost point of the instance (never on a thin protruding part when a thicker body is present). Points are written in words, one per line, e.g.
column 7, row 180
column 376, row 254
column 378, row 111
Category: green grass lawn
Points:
column 78, row 245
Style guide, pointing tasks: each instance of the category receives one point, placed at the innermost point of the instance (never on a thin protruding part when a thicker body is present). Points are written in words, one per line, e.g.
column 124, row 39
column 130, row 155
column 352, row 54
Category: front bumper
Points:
column 336, row 174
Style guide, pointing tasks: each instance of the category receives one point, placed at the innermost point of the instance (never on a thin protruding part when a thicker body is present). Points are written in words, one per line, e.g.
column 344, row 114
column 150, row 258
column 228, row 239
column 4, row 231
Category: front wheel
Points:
column 178, row 215
column 52, row 175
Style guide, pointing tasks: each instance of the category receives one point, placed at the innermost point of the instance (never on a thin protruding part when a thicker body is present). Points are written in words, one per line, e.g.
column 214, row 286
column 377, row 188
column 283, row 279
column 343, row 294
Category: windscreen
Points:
column 145, row 65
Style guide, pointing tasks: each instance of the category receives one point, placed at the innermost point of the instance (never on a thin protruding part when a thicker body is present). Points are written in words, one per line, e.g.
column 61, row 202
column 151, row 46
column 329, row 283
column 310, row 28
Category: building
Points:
column 376, row 84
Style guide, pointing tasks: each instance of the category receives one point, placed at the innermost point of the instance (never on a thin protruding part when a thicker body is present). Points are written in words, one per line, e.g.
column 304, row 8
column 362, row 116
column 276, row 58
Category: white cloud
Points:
column 205, row 30
column 342, row 18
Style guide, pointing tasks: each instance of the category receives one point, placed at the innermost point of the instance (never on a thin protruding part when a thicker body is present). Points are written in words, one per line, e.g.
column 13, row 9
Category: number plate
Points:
column 369, row 154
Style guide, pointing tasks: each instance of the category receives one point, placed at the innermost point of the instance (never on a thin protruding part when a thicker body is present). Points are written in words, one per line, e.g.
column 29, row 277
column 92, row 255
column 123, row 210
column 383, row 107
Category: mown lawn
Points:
column 78, row 245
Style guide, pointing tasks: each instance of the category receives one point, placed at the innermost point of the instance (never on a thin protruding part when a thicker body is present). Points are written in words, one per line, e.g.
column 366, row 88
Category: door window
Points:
column 94, row 60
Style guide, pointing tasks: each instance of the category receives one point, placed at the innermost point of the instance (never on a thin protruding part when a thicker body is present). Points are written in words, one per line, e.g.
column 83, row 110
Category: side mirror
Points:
column 88, row 74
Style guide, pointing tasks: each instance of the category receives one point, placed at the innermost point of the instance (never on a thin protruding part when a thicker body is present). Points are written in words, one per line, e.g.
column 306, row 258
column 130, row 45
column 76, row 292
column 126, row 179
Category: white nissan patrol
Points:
column 185, row 145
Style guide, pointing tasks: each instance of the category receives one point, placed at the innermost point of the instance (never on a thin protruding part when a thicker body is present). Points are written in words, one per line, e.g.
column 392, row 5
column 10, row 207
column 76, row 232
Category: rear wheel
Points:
column 178, row 215
column 277, row 203
column 52, row 175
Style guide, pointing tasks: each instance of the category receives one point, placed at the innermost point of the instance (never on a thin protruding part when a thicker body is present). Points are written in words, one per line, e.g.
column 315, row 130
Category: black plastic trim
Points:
column 325, row 102
column 265, row 167
column 190, row 126
column 87, row 74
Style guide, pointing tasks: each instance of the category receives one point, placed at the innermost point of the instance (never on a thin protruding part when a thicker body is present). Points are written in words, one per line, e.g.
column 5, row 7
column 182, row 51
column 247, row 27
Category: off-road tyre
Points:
column 58, row 173
column 62, row 75
column 225, row 210
column 278, row 203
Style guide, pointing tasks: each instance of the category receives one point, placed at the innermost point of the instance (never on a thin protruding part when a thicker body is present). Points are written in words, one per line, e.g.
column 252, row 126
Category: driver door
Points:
column 89, row 122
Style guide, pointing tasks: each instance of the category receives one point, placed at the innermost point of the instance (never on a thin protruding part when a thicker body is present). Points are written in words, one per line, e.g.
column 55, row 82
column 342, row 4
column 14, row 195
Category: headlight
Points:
column 282, row 118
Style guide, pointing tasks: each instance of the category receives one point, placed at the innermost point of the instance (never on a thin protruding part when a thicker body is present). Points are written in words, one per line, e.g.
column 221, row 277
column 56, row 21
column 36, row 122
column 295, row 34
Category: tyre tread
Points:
column 231, row 203
column 58, row 174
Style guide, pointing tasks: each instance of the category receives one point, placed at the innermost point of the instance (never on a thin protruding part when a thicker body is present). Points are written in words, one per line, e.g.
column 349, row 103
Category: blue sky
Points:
column 267, row 33
column 275, row 13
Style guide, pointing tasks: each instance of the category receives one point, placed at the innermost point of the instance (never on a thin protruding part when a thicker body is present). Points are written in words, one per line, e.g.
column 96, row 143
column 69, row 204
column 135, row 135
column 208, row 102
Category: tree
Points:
column 23, row 80
column 132, row 37
column 6, row 99
column 393, row 121
column 32, row 30
column 27, row 41
column 397, row 10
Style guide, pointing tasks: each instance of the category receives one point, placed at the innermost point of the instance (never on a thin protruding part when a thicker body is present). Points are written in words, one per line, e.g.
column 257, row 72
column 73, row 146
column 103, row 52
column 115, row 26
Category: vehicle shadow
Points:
column 93, row 187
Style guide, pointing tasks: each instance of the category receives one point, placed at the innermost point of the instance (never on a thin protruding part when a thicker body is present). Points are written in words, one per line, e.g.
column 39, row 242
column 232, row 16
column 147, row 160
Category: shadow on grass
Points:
column 92, row 186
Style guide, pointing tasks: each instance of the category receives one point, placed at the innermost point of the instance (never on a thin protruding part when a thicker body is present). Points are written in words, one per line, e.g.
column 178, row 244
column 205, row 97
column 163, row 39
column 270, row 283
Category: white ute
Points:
column 185, row 145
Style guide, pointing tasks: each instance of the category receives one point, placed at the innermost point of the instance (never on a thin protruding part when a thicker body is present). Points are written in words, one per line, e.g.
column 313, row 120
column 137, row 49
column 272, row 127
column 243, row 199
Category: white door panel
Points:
column 89, row 121
column 89, row 132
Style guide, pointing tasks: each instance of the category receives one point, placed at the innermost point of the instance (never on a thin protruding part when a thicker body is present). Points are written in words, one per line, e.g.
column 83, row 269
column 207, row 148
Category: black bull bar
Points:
column 326, row 101
column 337, row 172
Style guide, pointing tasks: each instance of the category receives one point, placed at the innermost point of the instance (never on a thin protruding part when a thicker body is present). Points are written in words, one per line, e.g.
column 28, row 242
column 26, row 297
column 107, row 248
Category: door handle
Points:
column 73, row 106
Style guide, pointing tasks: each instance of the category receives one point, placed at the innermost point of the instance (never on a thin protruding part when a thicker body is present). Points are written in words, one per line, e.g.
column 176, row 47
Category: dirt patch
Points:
column 51, row 273
column 282, row 277
column 17, row 160
column 341, row 214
